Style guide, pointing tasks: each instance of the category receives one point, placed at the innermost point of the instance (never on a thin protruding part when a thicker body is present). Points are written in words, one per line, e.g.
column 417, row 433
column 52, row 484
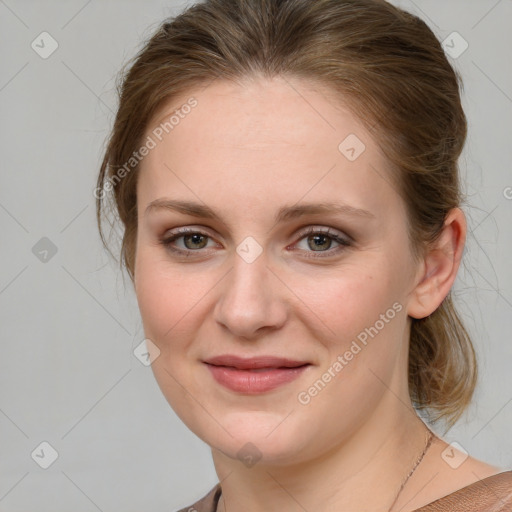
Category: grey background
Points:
column 68, row 375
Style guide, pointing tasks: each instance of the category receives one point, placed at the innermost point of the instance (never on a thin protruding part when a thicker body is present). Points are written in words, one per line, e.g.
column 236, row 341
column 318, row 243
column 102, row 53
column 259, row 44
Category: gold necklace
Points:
column 430, row 438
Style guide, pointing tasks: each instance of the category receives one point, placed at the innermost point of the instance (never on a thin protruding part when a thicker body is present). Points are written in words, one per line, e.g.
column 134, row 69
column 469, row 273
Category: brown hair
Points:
column 386, row 65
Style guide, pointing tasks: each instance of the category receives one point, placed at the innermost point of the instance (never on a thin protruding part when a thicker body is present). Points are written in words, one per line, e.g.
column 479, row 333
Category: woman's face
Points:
column 258, row 276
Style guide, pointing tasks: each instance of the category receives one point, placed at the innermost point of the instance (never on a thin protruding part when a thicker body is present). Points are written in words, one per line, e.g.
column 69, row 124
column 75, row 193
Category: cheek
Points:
column 350, row 298
column 162, row 296
column 171, row 299
column 373, row 325
column 362, row 309
column 169, row 305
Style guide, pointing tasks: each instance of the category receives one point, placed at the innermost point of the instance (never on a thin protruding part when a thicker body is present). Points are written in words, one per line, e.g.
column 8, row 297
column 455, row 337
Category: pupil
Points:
column 196, row 239
column 318, row 243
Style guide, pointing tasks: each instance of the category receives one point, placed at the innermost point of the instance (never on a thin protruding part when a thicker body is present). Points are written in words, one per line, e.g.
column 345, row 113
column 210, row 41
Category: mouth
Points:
column 254, row 363
column 254, row 375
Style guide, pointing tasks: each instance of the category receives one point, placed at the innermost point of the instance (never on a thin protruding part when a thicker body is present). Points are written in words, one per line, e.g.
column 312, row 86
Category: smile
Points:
column 255, row 380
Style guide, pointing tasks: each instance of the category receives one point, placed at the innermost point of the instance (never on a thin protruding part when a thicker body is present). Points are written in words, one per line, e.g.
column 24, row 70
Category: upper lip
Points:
column 246, row 363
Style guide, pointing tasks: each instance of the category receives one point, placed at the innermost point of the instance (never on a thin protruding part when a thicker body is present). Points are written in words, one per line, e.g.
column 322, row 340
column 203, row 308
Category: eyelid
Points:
column 325, row 230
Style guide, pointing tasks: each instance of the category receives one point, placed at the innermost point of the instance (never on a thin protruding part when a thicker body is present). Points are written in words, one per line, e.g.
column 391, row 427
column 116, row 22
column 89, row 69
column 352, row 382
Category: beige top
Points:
column 492, row 494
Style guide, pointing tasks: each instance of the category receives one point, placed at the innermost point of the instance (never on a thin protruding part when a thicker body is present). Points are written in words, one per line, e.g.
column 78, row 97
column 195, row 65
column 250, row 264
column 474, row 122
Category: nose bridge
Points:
column 249, row 298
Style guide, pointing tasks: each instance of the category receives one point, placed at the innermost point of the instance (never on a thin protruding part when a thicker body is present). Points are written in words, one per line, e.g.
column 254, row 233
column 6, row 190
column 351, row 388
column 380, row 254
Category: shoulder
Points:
column 207, row 503
column 491, row 494
column 453, row 481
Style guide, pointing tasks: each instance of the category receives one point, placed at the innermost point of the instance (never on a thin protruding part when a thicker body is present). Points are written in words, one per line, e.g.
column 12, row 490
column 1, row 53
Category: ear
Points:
column 439, row 267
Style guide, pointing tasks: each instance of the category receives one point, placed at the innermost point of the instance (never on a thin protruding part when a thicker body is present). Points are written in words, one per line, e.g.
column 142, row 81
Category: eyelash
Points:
column 344, row 243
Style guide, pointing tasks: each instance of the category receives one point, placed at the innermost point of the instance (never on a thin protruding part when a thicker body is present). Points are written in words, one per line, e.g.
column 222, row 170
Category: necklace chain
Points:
column 430, row 438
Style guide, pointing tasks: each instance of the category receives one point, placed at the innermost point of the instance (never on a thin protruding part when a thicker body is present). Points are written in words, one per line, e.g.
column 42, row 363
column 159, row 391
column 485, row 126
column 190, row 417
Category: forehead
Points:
column 256, row 112
column 263, row 142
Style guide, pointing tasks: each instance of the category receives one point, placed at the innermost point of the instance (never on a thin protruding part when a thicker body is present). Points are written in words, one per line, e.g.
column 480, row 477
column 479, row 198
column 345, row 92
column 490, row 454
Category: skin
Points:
column 245, row 151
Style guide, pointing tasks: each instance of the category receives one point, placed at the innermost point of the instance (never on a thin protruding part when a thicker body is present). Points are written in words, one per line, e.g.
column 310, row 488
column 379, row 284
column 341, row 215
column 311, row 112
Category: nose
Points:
column 252, row 301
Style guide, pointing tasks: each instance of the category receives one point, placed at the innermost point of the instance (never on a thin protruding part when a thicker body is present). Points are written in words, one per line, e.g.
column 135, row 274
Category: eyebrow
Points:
column 284, row 214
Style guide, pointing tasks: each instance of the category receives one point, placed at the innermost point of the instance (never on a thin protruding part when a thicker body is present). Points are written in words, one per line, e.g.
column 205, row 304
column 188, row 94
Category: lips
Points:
column 254, row 375
column 254, row 363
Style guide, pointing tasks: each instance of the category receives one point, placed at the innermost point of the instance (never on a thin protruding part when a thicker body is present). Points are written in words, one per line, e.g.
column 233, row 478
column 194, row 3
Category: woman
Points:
column 286, row 176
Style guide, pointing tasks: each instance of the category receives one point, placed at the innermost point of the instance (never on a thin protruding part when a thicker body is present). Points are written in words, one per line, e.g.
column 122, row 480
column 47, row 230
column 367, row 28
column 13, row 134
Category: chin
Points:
column 258, row 437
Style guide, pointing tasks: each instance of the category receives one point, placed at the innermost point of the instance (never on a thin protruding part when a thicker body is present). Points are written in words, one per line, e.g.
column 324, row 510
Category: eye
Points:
column 320, row 241
column 192, row 241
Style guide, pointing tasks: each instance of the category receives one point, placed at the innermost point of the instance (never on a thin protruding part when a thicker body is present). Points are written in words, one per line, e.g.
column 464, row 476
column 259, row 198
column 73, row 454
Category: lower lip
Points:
column 252, row 382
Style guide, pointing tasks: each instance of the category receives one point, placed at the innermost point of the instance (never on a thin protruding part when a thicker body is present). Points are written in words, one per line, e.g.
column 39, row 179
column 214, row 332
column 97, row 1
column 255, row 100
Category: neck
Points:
column 363, row 472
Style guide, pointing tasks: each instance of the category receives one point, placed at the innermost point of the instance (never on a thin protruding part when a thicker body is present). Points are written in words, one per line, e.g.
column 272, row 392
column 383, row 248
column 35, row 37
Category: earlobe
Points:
column 440, row 267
